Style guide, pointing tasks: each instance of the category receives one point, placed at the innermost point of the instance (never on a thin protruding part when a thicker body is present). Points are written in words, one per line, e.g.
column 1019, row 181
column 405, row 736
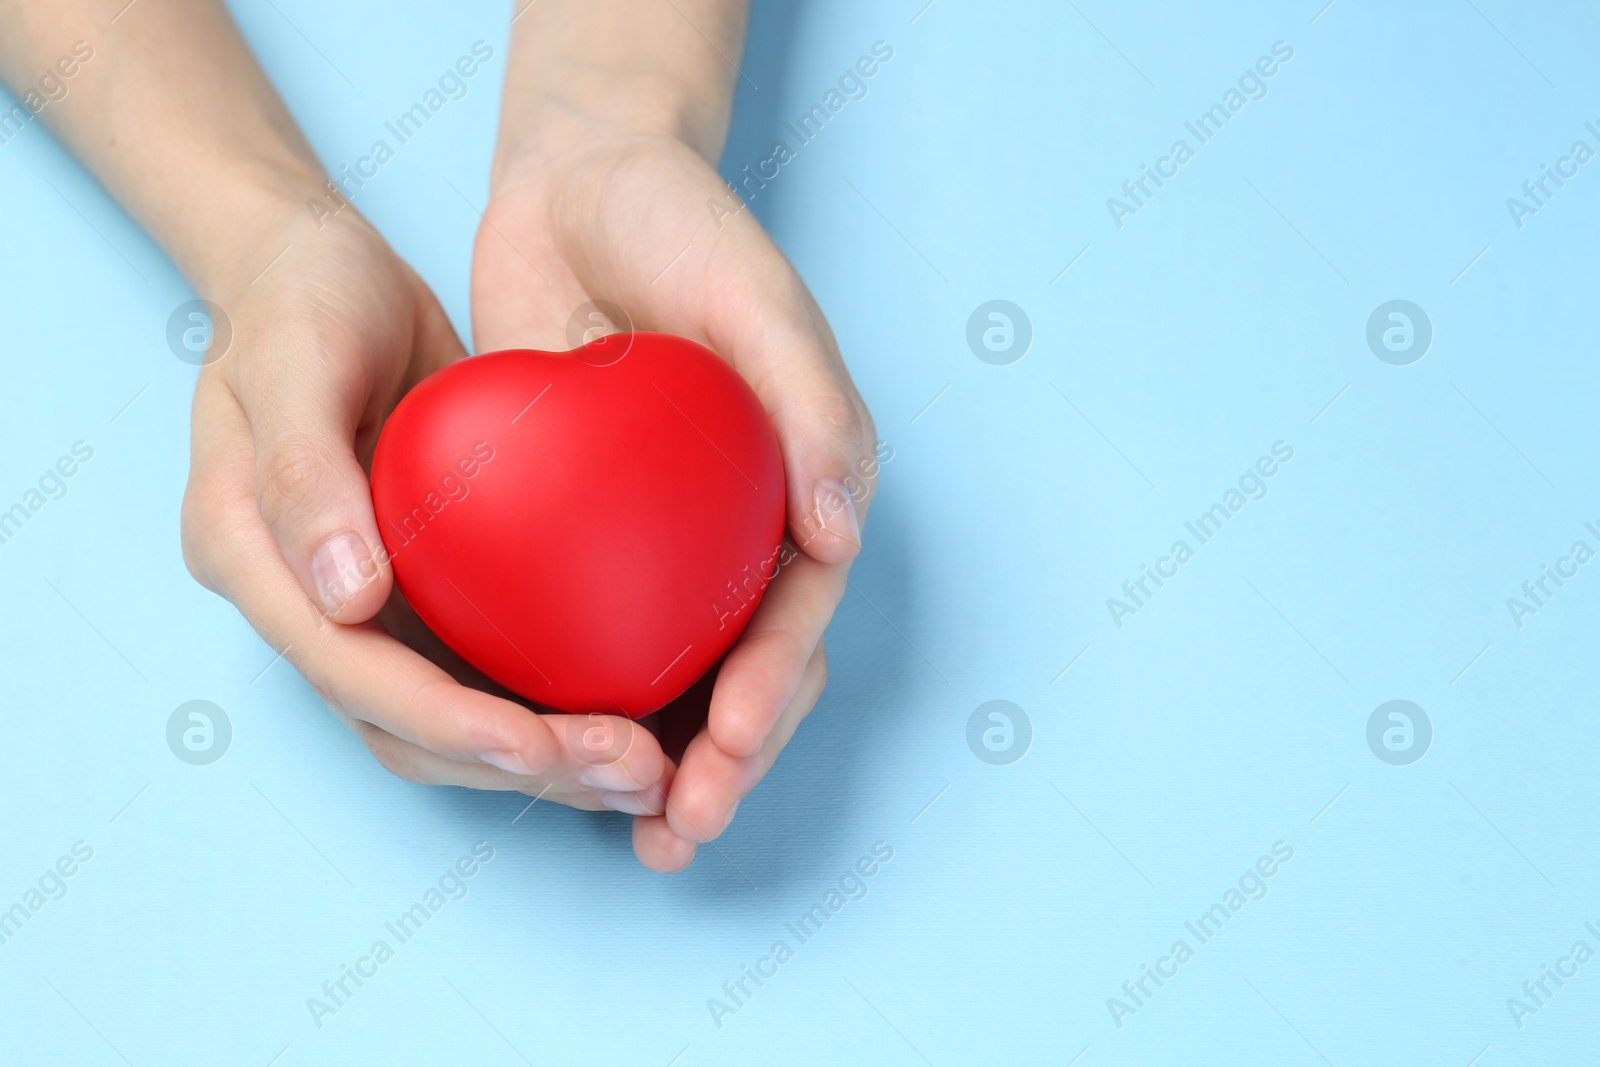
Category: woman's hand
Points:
column 586, row 211
column 329, row 329
column 278, row 518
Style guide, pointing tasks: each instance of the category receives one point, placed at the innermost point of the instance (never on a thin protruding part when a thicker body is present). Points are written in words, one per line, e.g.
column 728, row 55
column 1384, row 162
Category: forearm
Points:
column 173, row 116
column 653, row 67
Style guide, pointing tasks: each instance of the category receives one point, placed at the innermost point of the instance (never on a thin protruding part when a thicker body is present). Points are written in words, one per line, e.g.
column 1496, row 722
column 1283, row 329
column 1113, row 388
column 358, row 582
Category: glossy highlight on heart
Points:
column 591, row 529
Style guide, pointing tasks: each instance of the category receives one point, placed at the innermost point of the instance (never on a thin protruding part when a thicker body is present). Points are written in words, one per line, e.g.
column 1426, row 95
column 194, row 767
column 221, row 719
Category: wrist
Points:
column 583, row 74
column 595, row 109
column 224, row 244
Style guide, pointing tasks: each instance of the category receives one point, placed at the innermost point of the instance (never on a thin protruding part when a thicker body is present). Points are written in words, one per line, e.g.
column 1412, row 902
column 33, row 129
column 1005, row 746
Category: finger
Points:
column 824, row 430
column 759, row 677
column 361, row 670
column 738, row 293
column 371, row 676
column 657, row 847
column 311, row 491
column 676, row 267
column 416, row 764
column 308, row 389
column 710, row 783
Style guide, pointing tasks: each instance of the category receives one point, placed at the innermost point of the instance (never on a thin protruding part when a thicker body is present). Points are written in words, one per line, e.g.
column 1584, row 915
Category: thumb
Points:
column 824, row 430
column 754, row 311
column 310, row 488
column 313, row 495
column 829, row 469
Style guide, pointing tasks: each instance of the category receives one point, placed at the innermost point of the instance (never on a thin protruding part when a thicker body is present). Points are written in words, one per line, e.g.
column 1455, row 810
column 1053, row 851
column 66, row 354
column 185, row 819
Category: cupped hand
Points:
column 587, row 214
column 277, row 518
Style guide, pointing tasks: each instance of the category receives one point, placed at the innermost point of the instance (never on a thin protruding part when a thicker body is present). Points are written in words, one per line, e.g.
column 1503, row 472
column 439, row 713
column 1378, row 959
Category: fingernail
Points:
column 727, row 820
column 837, row 511
column 633, row 803
column 608, row 776
column 506, row 760
column 336, row 567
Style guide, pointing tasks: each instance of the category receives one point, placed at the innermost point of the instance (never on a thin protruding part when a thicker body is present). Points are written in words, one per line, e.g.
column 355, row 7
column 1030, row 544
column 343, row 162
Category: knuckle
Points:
column 838, row 417
column 777, row 641
column 293, row 479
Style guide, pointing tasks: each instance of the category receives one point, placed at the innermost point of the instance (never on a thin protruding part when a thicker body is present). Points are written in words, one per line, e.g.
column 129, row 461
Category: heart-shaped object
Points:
column 592, row 529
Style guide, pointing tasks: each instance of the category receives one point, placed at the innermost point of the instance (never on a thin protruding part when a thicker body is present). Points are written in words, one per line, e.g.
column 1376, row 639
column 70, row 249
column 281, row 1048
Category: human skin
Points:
column 331, row 328
column 614, row 114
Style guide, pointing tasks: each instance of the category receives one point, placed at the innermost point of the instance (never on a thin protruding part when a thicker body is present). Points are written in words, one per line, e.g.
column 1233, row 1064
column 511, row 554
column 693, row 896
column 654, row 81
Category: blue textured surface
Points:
column 1227, row 715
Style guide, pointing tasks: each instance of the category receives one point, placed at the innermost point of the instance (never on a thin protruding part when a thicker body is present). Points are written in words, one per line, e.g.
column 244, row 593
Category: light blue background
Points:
column 1227, row 715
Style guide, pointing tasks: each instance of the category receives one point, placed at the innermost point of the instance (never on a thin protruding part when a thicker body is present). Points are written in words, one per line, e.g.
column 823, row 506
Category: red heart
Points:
column 591, row 529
